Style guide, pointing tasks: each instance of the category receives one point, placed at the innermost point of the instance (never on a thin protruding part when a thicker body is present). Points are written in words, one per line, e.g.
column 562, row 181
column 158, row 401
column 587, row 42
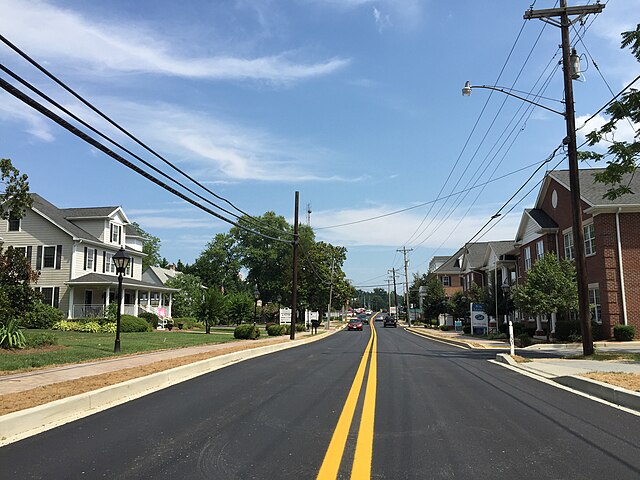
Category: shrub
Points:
column 150, row 317
column 445, row 328
column 42, row 316
column 566, row 330
column 466, row 329
column 40, row 339
column 274, row 329
column 129, row 324
column 187, row 322
column 90, row 327
column 624, row 333
column 11, row 336
column 524, row 340
column 497, row 336
column 246, row 331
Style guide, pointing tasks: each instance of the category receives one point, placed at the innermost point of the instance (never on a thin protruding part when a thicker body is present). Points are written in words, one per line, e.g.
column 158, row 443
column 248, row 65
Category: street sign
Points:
column 285, row 316
column 479, row 320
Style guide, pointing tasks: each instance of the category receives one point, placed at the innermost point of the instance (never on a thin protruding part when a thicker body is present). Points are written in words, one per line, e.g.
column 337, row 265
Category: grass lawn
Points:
column 634, row 357
column 75, row 347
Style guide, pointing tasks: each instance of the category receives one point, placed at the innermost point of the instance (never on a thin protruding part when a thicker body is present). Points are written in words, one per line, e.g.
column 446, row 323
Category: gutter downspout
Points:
column 620, row 268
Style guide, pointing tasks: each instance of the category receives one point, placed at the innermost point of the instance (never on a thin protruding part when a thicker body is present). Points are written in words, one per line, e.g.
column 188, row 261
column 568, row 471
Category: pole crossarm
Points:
column 547, row 14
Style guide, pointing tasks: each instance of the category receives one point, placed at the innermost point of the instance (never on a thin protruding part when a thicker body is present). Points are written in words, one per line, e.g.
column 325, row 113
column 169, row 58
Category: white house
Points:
column 72, row 249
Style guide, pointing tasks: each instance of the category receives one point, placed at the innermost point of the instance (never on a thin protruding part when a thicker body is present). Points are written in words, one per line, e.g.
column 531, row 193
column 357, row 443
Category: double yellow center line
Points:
column 361, row 468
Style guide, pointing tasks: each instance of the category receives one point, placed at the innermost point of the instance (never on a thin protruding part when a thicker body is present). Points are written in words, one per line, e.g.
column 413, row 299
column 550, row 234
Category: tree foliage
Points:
column 434, row 301
column 16, row 295
column 150, row 246
column 212, row 309
column 622, row 156
column 219, row 264
column 14, row 196
column 550, row 287
column 186, row 302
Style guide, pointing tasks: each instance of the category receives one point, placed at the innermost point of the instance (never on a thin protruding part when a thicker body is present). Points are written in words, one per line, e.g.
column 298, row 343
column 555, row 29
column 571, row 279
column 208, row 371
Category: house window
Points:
column 109, row 265
column 90, row 258
column 589, row 240
column 569, row 252
column 527, row 258
column 49, row 257
column 50, row 295
column 594, row 304
column 539, row 249
column 115, row 233
column 14, row 222
column 446, row 281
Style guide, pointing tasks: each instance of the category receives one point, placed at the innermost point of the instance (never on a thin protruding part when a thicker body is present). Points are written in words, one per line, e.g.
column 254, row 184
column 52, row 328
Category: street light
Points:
column 121, row 261
column 256, row 296
column 466, row 92
column 506, row 289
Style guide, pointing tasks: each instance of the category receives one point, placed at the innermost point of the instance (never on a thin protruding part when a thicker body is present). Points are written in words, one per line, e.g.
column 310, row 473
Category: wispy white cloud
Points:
column 51, row 32
column 382, row 20
column 623, row 133
column 404, row 13
column 12, row 110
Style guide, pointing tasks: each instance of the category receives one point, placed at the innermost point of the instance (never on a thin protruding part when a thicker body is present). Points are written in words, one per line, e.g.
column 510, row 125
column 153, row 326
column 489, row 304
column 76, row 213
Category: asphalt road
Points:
column 437, row 412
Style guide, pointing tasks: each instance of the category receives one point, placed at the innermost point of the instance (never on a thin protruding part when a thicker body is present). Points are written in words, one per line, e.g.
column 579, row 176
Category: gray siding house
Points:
column 72, row 249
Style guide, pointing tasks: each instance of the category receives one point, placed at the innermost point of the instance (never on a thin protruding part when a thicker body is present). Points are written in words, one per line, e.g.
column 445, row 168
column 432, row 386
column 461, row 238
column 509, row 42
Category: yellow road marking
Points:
column 333, row 457
column 364, row 447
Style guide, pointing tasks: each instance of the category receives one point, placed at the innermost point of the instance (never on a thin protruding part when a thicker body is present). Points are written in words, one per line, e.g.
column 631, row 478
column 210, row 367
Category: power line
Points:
column 90, row 140
column 118, row 127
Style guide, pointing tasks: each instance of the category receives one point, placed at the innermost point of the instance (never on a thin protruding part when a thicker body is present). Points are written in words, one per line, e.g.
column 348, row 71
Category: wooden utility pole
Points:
column 564, row 22
column 294, row 292
column 404, row 250
column 395, row 292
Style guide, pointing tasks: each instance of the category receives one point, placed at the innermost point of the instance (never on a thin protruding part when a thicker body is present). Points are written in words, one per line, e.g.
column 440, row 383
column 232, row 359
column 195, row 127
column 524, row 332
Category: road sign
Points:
column 285, row 316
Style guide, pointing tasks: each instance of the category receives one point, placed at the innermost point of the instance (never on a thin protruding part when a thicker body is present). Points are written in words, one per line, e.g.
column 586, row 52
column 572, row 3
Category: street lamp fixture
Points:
column 466, row 92
column 506, row 289
column 121, row 261
column 256, row 296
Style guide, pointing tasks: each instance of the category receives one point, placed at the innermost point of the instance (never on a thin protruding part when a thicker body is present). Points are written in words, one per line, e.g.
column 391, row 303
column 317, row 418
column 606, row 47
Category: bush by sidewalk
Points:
column 624, row 333
column 246, row 331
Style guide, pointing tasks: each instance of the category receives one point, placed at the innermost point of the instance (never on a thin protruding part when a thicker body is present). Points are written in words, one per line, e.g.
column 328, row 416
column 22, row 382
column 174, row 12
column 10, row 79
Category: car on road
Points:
column 364, row 318
column 354, row 324
column 389, row 322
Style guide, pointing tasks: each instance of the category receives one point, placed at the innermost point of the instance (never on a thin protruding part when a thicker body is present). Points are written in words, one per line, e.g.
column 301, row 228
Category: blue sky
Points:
column 355, row 103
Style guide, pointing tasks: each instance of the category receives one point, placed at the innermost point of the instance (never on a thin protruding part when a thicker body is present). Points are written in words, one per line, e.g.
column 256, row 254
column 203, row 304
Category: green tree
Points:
column 458, row 306
column 414, row 289
column 150, row 246
column 14, row 198
column 219, row 264
column 622, row 156
column 212, row 309
column 17, row 298
column 434, row 302
column 239, row 307
column 550, row 287
column 186, row 302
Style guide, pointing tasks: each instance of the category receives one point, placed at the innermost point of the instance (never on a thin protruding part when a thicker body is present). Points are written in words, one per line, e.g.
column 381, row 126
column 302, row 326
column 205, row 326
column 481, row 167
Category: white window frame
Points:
column 90, row 258
column 539, row 249
column 114, row 233
column 55, row 254
column 589, row 239
column 446, row 280
column 569, row 249
column 109, row 266
column 527, row 259
column 40, row 289
column 595, row 305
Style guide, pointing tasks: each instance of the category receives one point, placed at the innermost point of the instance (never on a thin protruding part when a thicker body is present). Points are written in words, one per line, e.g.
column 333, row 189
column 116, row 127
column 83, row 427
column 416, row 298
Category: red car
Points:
column 354, row 325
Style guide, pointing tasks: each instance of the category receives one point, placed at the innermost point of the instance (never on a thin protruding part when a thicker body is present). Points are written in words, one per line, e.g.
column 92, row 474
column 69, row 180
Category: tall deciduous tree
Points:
column 150, row 246
column 14, row 191
column 219, row 264
column 434, row 302
column 550, row 287
column 187, row 301
column 623, row 157
column 16, row 295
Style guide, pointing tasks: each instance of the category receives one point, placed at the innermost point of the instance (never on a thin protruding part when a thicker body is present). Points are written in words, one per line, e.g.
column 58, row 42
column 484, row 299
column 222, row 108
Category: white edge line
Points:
column 436, row 340
column 568, row 389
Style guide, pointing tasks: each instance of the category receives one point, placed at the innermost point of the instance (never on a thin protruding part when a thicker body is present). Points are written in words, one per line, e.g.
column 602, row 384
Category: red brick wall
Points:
column 630, row 237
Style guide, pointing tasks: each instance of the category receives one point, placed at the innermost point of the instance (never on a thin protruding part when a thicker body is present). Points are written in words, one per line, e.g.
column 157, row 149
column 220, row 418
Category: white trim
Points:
column 621, row 268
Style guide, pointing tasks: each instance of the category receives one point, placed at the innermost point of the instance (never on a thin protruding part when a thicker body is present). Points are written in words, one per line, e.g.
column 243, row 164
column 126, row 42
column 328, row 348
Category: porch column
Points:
column 554, row 317
column 70, row 314
column 122, row 300
column 170, row 303
column 539, row 330
column 149, row 302
column 107, row 295
column 135, row 311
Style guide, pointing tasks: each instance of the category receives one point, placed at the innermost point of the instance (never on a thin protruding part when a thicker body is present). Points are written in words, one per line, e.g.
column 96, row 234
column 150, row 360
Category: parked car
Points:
column 390, row 322
column 354, row 324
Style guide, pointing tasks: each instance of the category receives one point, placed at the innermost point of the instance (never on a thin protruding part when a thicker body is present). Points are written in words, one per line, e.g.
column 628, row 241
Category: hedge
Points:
column 624, row 333
column 246, row 331
column 274, row 330
column 129, row 324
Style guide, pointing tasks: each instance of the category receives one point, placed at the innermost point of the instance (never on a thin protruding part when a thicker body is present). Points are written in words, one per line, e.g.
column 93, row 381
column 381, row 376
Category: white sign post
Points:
column 285, row 316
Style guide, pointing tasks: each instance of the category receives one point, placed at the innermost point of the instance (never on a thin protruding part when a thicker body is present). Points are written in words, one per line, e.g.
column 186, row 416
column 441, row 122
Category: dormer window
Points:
column 115, row 233
column 14, row 222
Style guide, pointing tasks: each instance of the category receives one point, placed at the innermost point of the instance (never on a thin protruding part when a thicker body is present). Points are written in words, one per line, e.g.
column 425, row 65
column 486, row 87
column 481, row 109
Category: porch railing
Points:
column 88, row 311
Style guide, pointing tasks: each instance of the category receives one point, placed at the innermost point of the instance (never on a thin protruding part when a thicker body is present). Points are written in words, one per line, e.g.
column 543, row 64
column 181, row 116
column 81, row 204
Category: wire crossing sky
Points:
column 354, row 103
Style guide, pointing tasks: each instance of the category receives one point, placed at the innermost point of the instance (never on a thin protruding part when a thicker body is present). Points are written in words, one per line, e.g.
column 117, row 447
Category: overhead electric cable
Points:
column 90, row 140
column 117, row 126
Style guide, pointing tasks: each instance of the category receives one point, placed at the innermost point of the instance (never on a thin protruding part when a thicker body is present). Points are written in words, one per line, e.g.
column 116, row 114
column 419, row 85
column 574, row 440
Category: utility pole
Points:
column 294, row 292
column 395, row 292
column 389, row 291
column 330, row 295
column 404, row 250
column 548, row 16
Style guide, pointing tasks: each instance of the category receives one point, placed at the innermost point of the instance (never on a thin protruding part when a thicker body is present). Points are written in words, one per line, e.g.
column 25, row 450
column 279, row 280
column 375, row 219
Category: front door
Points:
column 88, row 297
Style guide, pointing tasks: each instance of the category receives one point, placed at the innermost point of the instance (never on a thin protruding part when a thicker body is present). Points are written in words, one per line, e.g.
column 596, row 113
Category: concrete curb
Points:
column 436, row 337
column 611, row 393
column 25, row 423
